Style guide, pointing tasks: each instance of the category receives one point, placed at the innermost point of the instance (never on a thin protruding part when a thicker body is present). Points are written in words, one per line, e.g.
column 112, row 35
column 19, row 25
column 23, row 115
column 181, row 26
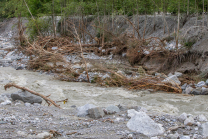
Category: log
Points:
column 49, row 101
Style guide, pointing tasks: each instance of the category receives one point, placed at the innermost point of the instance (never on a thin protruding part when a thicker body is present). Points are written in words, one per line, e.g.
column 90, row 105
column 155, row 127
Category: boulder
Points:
column 83, row 110
column 189, row 121
column 96, row 113
column 201, row 118
column 188, row 90
column 172, row 79
column 142, row 123
column 197, row 91
column 183, row 87
column 26, row 96
column 112, row 109
column 200, row 84
column 182, row 117
column 204, row 91
column 204, row 130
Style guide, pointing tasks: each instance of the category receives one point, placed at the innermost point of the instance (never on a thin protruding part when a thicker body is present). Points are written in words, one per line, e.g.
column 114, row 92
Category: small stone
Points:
column 182, row 117
column 96, row 113
column 189, row 121
column 112, row 109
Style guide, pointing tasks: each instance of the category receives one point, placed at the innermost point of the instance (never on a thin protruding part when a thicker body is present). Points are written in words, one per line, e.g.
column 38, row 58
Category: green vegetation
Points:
column 11, row 8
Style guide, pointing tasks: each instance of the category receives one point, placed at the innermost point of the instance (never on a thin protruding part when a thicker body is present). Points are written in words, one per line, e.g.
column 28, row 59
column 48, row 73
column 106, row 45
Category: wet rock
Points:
column 189, row 121
column 83, row 110
column 96, row 112
column 172, row 79
column 204, row 130
column 182, row 117
column 142, row 123
column 201, row 118
column 112, row 109
column 204, row 91
column 200, row 84
column 26, row 97
column 178, row 74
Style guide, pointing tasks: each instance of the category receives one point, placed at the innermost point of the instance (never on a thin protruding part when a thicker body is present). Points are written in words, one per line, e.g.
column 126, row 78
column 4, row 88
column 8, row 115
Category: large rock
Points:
column 197, row 91
column 189, row 121
column 182, row 117
column 172, row 79
column 96, row 113
column 83, row 110
column 112, row 109
column 204, row 130
column 142, row 123
column 204, row 91
column 201, row 118
column 200, row 84
column 188, row 90
column 26, row 96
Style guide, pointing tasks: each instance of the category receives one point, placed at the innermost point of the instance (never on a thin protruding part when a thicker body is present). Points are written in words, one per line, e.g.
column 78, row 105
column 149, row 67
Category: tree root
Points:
column 49, row 101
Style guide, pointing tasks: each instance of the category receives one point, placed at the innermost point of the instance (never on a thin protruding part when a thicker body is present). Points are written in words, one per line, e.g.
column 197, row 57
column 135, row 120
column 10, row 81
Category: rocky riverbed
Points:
column 93, row 111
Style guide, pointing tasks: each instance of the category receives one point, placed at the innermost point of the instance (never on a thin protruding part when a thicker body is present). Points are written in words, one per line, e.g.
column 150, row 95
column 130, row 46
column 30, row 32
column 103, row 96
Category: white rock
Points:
column 185, row 137
column 41, row 135
column 172, row 79
column 178, row 74
column 204, row 130
column 21, row 133
column 83, row 110
column 142, row 123
column 154, row 137
column 182, row 117
column 170, row 74
column 189, row 121
column 188, row 90
column 77, row 66
column 146, row 52
column 200, row 84
column 6, row 102
column 201, row 118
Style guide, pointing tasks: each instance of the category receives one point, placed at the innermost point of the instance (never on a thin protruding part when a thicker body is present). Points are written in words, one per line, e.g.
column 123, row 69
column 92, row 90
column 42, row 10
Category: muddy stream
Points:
column 79, row 94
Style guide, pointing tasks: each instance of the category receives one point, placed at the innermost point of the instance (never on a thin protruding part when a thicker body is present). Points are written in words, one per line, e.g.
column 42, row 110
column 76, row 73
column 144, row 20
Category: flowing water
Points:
column 79, row 94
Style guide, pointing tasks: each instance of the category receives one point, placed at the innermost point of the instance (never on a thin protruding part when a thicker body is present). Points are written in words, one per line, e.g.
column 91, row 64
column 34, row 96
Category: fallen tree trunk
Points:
column 49, row 101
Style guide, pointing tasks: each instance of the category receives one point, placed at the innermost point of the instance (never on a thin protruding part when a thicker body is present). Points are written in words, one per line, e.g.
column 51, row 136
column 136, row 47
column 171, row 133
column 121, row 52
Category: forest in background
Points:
column 12, row 8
